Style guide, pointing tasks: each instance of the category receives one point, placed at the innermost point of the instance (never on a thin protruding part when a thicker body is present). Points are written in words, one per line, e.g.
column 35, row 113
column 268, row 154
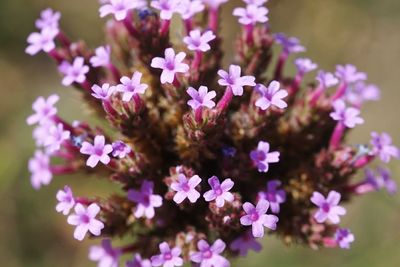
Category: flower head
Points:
column 44, row 110
column 145, row 199
column 274, row 195
column 196, row 41
column 131, row 86
column 55, row 137
column 85, row 221
column 360, row 92
column 66, row 200
column 251, row 14
column 201, row 97
column 138, row 262
column 39, row 166
column 105, row 255
column 75, row 72
column 41, row 41
column 101, row 57
column 48, row 19
column 245, row 243
column 120, row 8
column 381, row 180
column 219, row 191
column 257, row 217
column 97, row 152
column 210, row 255
column 104, row 92
column 382, row 147
column 234, row 80
column 186, row 188
column 261, row 156
column 344, row 238
column 120, row 149
column 328, row 208
column 290, row 45
column 304, row 65
column 326, row 79
column 168, row 257
column 349, row 74
column 170, row 65
column 272, row 95
column 167, row 7
column 349, row 116
column 189, row 8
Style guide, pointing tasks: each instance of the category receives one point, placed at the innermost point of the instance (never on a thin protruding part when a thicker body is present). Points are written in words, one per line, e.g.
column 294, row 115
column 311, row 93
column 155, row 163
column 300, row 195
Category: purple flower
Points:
column 120, row 8
column 97, row 152
column 251, row 14
column 170, row 65
column 208, row 256
column 65, row 199
column 75, row 72
column 39, row 166
column 349, row 74
column 344, row 237
column 41, row 41
column 255, row 2
column 186, row 188
column 328, row 208
column 382, row 147
column 197, row 41
column 56, row 136
column 348, row 116
column 262, row 157
column 304, row 65
column 104, row 92
column 101, row 57
column 138, row 262
column 48, row 19
column 257, row 217
column 274, row 196
column 130, row 87
column 167, row 7
column 219, row 191
column 120, row 149
column 214, row 4
column 245, row 243
column 289, row 44
column 41, row 132
column 272, row 95
column 168, row 257
column 105, row 255
column 326, row 79
column 85, row 220
column 234, row 80
column 360, row 92
column 381, row 180
column 44, row 110
column 189, row 8
column 145, row 199
column 201, row 98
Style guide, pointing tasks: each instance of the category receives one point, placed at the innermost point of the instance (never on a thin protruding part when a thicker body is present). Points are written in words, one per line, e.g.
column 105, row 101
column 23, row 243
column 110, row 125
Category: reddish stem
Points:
column 279, row 66
column 315, row 95
column 64, row 40
column 249, row 34
column 341, row 90
column 115, row 72
column 198, row 114
column 165, row 27
column 337, row 135
column 225, row 100
column 130, row 27
column 213, row 19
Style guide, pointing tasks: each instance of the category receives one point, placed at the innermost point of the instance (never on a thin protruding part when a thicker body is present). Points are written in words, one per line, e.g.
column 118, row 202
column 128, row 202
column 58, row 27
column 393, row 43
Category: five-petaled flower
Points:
column 168, row 257
column 234, row 81
column 251, row 14
column 196, row 41
column 55, row 137
column 219, row 191
column 326, row 79
column 272, row 95
column 97, row 152
column 104, row 92
column 75, row 72
column 48, row 19
column 131, row 86
column 349, row 116
column 304, row 65
column 261, row 156
column 170, row 65
column 145, row 199
column 380, row 180
column 39, row 166
column 167, row 7
column 186, row 188
column 289, row 44
column 105, row 255
column 101, row 57
column 257, row 217
column 344, row 238
column 201, row 98
column 349, row 74
column 328, row 208
column 66, row 200
column 120, row 149
column 245, row 243
column 382, row 146
column 44, row 110
column 85, row 220
column 210, row 255
column 42, row 41
column 274, row 195
column 120, row 8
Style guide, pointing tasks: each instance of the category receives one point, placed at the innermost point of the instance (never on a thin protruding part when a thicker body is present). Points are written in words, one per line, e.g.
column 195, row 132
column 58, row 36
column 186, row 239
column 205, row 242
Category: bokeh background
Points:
column 363, row 32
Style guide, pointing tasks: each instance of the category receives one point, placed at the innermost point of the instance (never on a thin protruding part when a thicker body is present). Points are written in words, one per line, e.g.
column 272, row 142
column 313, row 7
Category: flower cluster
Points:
column 209, row 158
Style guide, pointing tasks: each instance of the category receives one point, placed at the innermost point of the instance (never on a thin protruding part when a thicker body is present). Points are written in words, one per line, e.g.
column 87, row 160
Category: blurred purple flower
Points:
column 261, row 156
column 75, row 72
column 66, row 200
column 97, row 152
column 219, row 191
column 186, row 188
column 208, row 256
column 168, row 257
column 328, row 208
column 145, row 199
column 272, row 95
column 234, row 80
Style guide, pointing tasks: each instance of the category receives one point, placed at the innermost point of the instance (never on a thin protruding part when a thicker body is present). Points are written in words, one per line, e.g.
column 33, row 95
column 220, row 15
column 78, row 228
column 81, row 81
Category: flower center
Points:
column 207, row 254
column 218, row 191
column 185, row 187
column 98, row 151
column 168, row 256
column 325, row 207
column 254, row 216
column 271, row 197
column 170, row 65
column 85, row 219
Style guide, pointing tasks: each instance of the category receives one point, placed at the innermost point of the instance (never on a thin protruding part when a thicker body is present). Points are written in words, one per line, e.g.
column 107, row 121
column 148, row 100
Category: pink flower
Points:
column 120, row 8
column 85, row 221
column 349, row 74
column 138, row 262
column 234, row 80
column 273, row 195
column 41, row 41
column 104, row 92
column 304, row 65
column 168, row 257
column 208, row 256
column 189, row 8
column 344, row 237
column 257, row 217
column 201, row 98
column 251, row 14
column 326, row 79
column 382, row 147
column 272, row 95
column 131, row 86
column 105, row 255
column 262, row 157
column 41, row 132
column 167, row 7
column 101, row 57
column 56, row 136
column 75, row 72
column 44, row 110
column 120, row 149
column 219, row 191
column 65, row 199
column 245, row 243
column 289, row 44
column 348, row 116
column 328, row 208
column 48, row 19
column 199, row 42
column 170, row 65
column 97, row 152
column 186, row 188
column 145, row 199
column 39, row 166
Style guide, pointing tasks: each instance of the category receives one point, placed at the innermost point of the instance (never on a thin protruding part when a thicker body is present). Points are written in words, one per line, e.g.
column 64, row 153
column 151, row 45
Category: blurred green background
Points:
column 363, row 32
